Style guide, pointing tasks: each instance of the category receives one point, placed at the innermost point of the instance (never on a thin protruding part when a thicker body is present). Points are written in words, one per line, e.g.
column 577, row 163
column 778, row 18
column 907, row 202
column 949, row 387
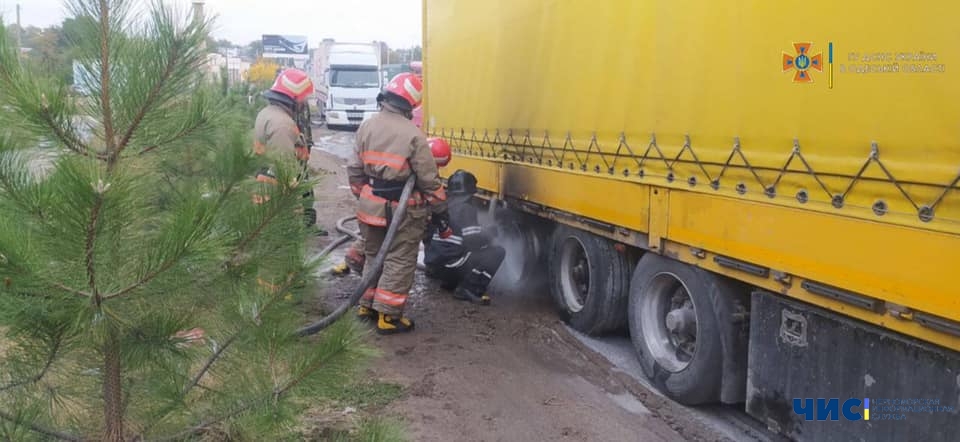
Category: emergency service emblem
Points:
column 802, row 63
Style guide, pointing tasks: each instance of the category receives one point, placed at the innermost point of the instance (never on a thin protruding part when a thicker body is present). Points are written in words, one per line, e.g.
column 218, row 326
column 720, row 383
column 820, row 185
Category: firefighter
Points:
column 466, row 261
column 389, row 148
column 276, row 130
column 354, row 258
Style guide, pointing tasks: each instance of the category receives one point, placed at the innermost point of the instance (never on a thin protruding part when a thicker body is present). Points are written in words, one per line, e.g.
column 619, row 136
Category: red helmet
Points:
column 440, row 149
column 293, row 83
column 407, row 86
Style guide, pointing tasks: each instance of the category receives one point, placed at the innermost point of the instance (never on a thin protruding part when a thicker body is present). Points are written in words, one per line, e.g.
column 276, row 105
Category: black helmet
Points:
column 462, row 183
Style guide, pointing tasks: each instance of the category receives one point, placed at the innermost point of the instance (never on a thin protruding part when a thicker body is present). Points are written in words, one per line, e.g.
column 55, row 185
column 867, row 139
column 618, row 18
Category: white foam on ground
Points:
column 630, row 403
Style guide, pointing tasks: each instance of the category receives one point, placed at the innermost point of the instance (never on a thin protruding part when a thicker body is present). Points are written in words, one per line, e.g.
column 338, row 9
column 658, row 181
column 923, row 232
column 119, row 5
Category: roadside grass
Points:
column 354, row 414
column 366, row 395
column 374, row 430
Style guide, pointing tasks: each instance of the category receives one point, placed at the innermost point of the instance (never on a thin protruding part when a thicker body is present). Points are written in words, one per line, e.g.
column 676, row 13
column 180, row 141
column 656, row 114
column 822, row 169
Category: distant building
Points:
column 236, row 67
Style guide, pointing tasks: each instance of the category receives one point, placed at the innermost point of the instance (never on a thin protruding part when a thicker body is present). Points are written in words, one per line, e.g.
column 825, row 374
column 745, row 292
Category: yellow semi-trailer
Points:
column 765, row 193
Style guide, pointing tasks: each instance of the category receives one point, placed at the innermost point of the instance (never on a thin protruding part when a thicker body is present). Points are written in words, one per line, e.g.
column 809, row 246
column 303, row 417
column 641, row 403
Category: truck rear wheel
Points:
column 676, row 330
column 589, row 280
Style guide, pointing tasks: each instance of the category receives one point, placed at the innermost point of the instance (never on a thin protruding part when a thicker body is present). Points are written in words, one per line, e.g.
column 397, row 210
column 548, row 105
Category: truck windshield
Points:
column 344, row 78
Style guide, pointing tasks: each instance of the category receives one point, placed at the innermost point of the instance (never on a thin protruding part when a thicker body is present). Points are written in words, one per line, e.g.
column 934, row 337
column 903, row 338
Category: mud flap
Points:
column 801, row 352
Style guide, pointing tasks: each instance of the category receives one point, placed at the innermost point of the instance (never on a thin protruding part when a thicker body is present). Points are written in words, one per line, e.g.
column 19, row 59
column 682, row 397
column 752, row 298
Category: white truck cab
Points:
column 354, row 79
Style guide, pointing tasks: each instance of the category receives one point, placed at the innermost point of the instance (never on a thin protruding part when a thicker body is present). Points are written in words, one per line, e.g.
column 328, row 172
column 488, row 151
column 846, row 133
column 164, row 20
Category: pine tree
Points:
column 142, row 295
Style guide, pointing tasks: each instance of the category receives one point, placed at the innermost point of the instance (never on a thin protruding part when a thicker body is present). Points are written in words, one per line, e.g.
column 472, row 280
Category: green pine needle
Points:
column 126, row 221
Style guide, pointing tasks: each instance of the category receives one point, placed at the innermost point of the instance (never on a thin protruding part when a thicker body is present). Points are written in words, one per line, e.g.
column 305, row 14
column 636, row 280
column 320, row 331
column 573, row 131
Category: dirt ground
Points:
column 505, row 372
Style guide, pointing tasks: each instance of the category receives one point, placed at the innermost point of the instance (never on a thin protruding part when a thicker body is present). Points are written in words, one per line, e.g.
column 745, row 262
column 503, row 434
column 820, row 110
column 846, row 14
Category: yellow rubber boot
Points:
column 366, row 313
column 389, row 325
column 341, row 269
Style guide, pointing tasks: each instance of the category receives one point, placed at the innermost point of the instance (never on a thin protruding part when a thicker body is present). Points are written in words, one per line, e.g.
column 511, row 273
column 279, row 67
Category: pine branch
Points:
column 318, row 364
column 39, row 429
column 216, row 355
column 149, row 149
column 113, row 403
column 11, row 75
column 54, row 352
column 147, row 278
column 108, row 129
column 242, row 247
column 152, row 97
column 195, row 382
column 207, row 366
column 72, row 290
column 183, row 133
column 205, row 425
column 90, row 246
column 173, row 261
column 69, row 140
column 276, row 395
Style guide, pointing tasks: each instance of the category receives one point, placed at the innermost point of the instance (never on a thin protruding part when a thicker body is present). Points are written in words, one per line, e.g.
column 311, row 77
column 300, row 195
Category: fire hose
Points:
column 369, row 278
column 349, row 234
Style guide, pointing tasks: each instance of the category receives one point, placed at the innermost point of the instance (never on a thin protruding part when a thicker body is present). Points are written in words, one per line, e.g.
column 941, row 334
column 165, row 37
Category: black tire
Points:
column 697, row 379
column 595, row 302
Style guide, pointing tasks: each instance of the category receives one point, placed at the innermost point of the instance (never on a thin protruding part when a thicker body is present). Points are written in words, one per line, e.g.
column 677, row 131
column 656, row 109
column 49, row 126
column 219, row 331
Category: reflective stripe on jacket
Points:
column 390, row 148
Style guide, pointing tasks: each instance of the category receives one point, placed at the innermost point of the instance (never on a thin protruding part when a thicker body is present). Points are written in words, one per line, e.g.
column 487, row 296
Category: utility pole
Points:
column 197, row 18
column 198, row 10
column 19, row 34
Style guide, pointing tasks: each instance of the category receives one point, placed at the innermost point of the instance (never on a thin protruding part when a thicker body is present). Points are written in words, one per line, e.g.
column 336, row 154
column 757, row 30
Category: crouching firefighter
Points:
column 284, row 126
column 355, row 257
column 389, row 148
column 466, row 261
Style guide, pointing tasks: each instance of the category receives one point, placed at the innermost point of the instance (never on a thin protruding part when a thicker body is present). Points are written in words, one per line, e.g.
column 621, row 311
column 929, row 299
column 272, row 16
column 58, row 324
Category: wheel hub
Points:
column 682, row 321
column 575, row 274
column 669, row 321
column 582, row 277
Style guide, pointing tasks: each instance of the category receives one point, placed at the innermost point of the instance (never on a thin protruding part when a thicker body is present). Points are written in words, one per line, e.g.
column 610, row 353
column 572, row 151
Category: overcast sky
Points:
column 398, row 22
